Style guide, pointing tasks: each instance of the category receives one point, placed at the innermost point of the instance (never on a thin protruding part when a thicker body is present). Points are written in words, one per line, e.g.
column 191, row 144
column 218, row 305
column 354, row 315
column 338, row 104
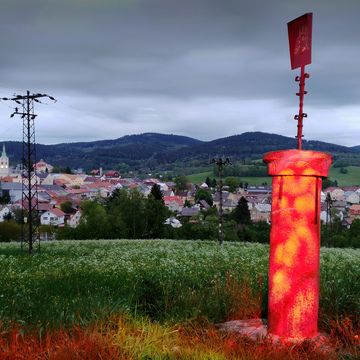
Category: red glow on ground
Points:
column 295, row 241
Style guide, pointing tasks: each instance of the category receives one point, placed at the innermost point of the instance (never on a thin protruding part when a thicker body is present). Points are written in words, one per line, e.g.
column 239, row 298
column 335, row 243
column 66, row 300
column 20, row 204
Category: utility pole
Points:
column 220, row 163
column 30, row 225
column 328, row 215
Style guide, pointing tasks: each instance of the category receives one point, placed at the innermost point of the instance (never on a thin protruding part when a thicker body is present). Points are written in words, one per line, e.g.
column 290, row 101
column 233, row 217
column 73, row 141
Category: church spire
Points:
column 3, row 155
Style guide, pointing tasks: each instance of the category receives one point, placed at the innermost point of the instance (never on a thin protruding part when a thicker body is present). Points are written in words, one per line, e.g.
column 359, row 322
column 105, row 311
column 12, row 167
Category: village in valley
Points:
column 54, row 189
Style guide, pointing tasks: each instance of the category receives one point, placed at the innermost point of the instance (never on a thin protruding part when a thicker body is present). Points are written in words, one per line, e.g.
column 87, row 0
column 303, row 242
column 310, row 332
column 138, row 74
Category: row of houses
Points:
column 54, row 189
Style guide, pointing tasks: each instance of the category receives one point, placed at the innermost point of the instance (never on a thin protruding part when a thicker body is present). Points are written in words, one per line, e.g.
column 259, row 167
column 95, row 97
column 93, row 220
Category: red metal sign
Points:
column 300, row 33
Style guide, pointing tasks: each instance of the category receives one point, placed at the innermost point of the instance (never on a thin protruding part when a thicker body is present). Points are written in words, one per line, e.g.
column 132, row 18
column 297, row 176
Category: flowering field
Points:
column 174, row 283
column 75, row 282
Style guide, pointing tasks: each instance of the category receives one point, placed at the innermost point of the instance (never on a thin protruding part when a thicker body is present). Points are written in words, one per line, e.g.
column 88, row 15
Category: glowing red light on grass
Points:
column 295, row 241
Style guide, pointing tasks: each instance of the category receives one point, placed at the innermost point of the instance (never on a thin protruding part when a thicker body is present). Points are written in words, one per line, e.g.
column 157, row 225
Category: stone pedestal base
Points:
column 257, row 331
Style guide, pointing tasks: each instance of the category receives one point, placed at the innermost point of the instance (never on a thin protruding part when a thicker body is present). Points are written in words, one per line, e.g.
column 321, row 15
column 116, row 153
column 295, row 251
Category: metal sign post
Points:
column 300, row 38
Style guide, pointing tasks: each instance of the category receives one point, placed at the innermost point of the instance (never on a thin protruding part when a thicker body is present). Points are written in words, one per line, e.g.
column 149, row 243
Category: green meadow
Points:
column 164, row 285
column 351, row 178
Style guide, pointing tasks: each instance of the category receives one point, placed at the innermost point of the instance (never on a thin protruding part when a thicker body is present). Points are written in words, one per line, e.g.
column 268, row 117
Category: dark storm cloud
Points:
column 195, row 64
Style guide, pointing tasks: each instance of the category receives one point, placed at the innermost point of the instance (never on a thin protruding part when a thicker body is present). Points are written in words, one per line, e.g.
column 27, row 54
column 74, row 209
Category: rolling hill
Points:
column 159, row 152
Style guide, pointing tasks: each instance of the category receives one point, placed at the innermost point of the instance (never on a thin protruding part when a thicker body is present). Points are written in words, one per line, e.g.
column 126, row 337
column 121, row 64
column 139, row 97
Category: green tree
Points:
column 181, row 183
column 97, row 223
column 232, row 182
column 8, row 216
column 5, row 198
column 87, row 205
column 327, row 183
column 262, row 232
column 187, row 203
column 241, row 213
column 47, row 232
column 9, row 231
column 116, row 198
column 208, row 182
column 354, row 234
column 156, row 192
column 246, row 234
column 117, row 224
column 343, row 170
column 203, row 194
column 67, row 207
column 155, row 214
column 132, row 209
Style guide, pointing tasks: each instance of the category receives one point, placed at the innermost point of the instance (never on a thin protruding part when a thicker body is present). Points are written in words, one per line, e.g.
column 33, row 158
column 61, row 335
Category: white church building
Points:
column 4, row 164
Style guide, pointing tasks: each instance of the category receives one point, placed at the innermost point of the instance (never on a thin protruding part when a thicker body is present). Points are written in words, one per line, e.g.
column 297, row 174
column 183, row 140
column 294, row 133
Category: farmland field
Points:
column 351, row 178
column 82, row 283
column 201, row 177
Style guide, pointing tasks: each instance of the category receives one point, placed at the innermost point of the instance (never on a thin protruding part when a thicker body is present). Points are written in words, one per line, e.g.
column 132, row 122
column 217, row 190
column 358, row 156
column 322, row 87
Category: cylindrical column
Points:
column 294, row 268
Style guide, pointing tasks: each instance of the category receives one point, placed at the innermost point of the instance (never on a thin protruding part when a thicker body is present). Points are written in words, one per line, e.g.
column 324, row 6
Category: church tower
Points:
column 4, row 164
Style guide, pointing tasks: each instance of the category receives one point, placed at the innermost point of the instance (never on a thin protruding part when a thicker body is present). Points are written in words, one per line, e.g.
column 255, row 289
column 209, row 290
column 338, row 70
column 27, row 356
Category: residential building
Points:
column 252, row 189
column 45, row 179
column 355, row 211
column 174, row 203
column 351, row 197
column 13, row 189
column 189, row 212
column 335, row 193
column 112, row 174
column 347, row 222
column 71, row 180
column 42, row 168
column 261, row 212
column 74, row 219
column 52, row 217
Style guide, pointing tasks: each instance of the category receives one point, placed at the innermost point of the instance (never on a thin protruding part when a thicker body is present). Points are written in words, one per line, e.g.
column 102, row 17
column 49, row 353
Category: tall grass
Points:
column 128, row 338
column 81, row 282
column 176, row 291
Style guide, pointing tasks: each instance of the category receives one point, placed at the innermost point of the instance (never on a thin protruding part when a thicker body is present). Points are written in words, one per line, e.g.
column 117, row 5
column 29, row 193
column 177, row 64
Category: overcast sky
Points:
column 201, row 68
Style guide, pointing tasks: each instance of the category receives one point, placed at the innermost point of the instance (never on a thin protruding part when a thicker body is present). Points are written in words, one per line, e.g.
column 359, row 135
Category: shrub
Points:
column 9, row 231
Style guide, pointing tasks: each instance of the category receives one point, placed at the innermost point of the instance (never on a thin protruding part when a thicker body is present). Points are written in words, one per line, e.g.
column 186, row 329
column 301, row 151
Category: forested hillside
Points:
column 152, row 152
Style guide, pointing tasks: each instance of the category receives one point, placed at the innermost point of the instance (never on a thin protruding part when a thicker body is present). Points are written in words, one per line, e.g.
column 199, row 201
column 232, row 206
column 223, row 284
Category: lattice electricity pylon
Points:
column 30, row 234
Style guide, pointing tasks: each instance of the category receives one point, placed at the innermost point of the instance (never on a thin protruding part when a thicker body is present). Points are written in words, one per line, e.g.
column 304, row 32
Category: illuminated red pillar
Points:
column 294, row 271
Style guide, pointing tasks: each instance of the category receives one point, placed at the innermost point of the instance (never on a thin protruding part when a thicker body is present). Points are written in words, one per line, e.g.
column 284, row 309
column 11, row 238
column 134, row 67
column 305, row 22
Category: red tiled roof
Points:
column 112, row 173
column 349, row 220
column 171, row 198
column 351, row 188
column 7, row 179
column 40, row 164
column 91, row 186
column 45, row 207
column 103, row 184
column 331, row 189
column 57, row 212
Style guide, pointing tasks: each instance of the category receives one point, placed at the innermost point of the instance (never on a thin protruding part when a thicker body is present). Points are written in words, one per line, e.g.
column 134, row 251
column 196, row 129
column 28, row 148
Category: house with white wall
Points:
column 52, row 217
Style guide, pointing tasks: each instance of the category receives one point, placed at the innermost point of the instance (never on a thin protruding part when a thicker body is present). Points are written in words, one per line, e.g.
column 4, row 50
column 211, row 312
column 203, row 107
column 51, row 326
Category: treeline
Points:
column 334, row 234
column 240, row 170
column 128, row 214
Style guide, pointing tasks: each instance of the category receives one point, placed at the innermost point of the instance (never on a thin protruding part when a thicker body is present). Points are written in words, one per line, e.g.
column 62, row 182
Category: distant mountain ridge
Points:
column 153, row 151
